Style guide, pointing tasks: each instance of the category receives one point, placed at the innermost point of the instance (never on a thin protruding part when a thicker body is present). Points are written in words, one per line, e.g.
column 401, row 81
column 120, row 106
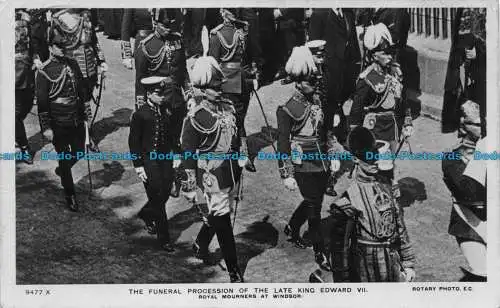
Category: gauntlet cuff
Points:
column 44, row 119
column 126, row 50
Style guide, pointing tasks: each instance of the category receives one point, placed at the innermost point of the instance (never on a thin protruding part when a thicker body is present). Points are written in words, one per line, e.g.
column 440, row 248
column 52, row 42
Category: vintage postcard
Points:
column 249, row 154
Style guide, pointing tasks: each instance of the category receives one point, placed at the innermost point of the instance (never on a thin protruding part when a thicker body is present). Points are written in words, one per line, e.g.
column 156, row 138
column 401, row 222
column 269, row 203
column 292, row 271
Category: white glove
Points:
column 37, row 63
column 336, row 120
column 103, row 67
column 335, row 165
column 308, row 13
column 176, row 163
column 191, row 103
column 49, row 135
column 470, row 54
column 290, row 183
column 410, row 274
column 277, row 13
column 408, row 131
column 190, row 196
column 127, row 63
column 141, row 173
column 242, row 161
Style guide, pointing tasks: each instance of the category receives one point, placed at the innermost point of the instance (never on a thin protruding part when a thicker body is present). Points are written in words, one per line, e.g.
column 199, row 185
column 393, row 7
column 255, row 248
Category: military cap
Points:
column 361, row 141
column 154, row 82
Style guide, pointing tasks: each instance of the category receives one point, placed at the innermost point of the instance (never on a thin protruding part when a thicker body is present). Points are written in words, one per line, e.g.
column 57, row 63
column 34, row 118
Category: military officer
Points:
column 302, row 133
column 228, row 45
column 82, row 45
column 138, row 24
column 150, row 138
column 210, row 129
column 465, row 178
column 377, row 101
column 62, row 110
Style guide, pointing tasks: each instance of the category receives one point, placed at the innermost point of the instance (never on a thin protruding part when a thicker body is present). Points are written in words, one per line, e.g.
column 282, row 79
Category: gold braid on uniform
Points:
column 238, row 36
column 57, row 85
column 157, row 59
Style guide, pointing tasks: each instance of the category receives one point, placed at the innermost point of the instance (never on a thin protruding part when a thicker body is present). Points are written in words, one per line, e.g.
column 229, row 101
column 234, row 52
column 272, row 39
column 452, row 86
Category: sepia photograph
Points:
column 206, row 145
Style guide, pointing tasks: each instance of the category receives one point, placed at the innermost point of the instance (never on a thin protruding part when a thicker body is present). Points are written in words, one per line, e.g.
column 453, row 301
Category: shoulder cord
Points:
column 157, row 59
column 68, row 31
column 56, row 84
column 230, row 48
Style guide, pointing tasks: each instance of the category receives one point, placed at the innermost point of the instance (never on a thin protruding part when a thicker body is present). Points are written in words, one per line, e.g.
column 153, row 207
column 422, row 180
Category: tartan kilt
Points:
column 376, row 263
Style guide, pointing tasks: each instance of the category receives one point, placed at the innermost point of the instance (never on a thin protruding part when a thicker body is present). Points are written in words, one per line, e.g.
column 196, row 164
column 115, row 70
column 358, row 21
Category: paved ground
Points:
column 105, row 242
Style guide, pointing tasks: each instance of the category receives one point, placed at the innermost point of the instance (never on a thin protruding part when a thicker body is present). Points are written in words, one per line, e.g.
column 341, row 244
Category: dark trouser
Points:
column 68, row 140
column 220, row 225
column 158, row 185
column 240, row 103
column 312, row 186
column 24, row 103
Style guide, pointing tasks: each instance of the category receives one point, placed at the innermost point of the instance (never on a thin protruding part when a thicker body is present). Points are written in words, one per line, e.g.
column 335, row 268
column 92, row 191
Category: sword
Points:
column 87, row 145
column 238, row 198
column 265, row 119
column 97, row 100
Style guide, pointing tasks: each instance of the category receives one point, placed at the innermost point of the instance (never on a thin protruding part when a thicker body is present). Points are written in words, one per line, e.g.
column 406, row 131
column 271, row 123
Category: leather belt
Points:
column 231, row 64
column 372, row 243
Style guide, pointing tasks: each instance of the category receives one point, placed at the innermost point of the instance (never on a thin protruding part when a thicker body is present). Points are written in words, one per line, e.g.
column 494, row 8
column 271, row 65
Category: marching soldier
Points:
column 466, row 180
column 63, row 110
column 210, row 129
column 302, row 133
column 149, row 136
column 82, row 45
column 228, row 45
column 27, row 58
column 136, row 23
column 376, row 103
column 369, row 241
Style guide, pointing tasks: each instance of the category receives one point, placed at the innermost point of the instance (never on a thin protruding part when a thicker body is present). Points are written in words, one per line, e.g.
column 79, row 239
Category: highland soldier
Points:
column 150, row 136
column 210, row 129
column 82, row 45
column 63, row 110
column 369, row 241
column 377, row 101
column 228, row 45
column 138, row 24
column 302, row 133
column 27, row 58
column 466, row 180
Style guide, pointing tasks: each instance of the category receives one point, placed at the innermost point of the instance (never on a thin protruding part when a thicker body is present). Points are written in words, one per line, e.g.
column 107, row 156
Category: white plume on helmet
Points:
column 205, row 67
column 301, row 62
column 375, row 34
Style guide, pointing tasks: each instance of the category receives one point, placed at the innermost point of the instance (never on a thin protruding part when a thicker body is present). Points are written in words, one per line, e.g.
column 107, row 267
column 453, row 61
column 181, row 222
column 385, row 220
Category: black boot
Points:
column 235, row 275
column 200, row 246
column 250, row 166
column 27, row 157
column 294, row 238
column 151, row 226
column 322, row 261
column 316, row 277
column 71, row 203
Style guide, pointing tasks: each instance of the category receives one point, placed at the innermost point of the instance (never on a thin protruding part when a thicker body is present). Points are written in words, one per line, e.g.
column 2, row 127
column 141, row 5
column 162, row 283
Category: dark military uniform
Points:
column 302, row 133
column 138, row 24
column 210, row 128
column 150, row 134
column 164, row 57
column 376, row 103
column 290, row 32
column 81, row 43
column 62, row 108
column 228, row 44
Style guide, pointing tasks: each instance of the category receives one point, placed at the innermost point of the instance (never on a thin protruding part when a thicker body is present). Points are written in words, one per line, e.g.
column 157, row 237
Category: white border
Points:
column 386, row 295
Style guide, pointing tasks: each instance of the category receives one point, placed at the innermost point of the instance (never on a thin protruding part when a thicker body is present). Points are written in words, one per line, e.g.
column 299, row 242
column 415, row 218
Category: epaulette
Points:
column 374, row 79
column 202, row 118
column 216, row 29
column 146, row 39
column 297, row 107
column 176, row 34
column 44, row 64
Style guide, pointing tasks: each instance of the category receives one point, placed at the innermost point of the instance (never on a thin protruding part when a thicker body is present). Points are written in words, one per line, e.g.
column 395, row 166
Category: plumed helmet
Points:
column 300, row 66
column 377, row 37
column 206, row 71
column 361, row 141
